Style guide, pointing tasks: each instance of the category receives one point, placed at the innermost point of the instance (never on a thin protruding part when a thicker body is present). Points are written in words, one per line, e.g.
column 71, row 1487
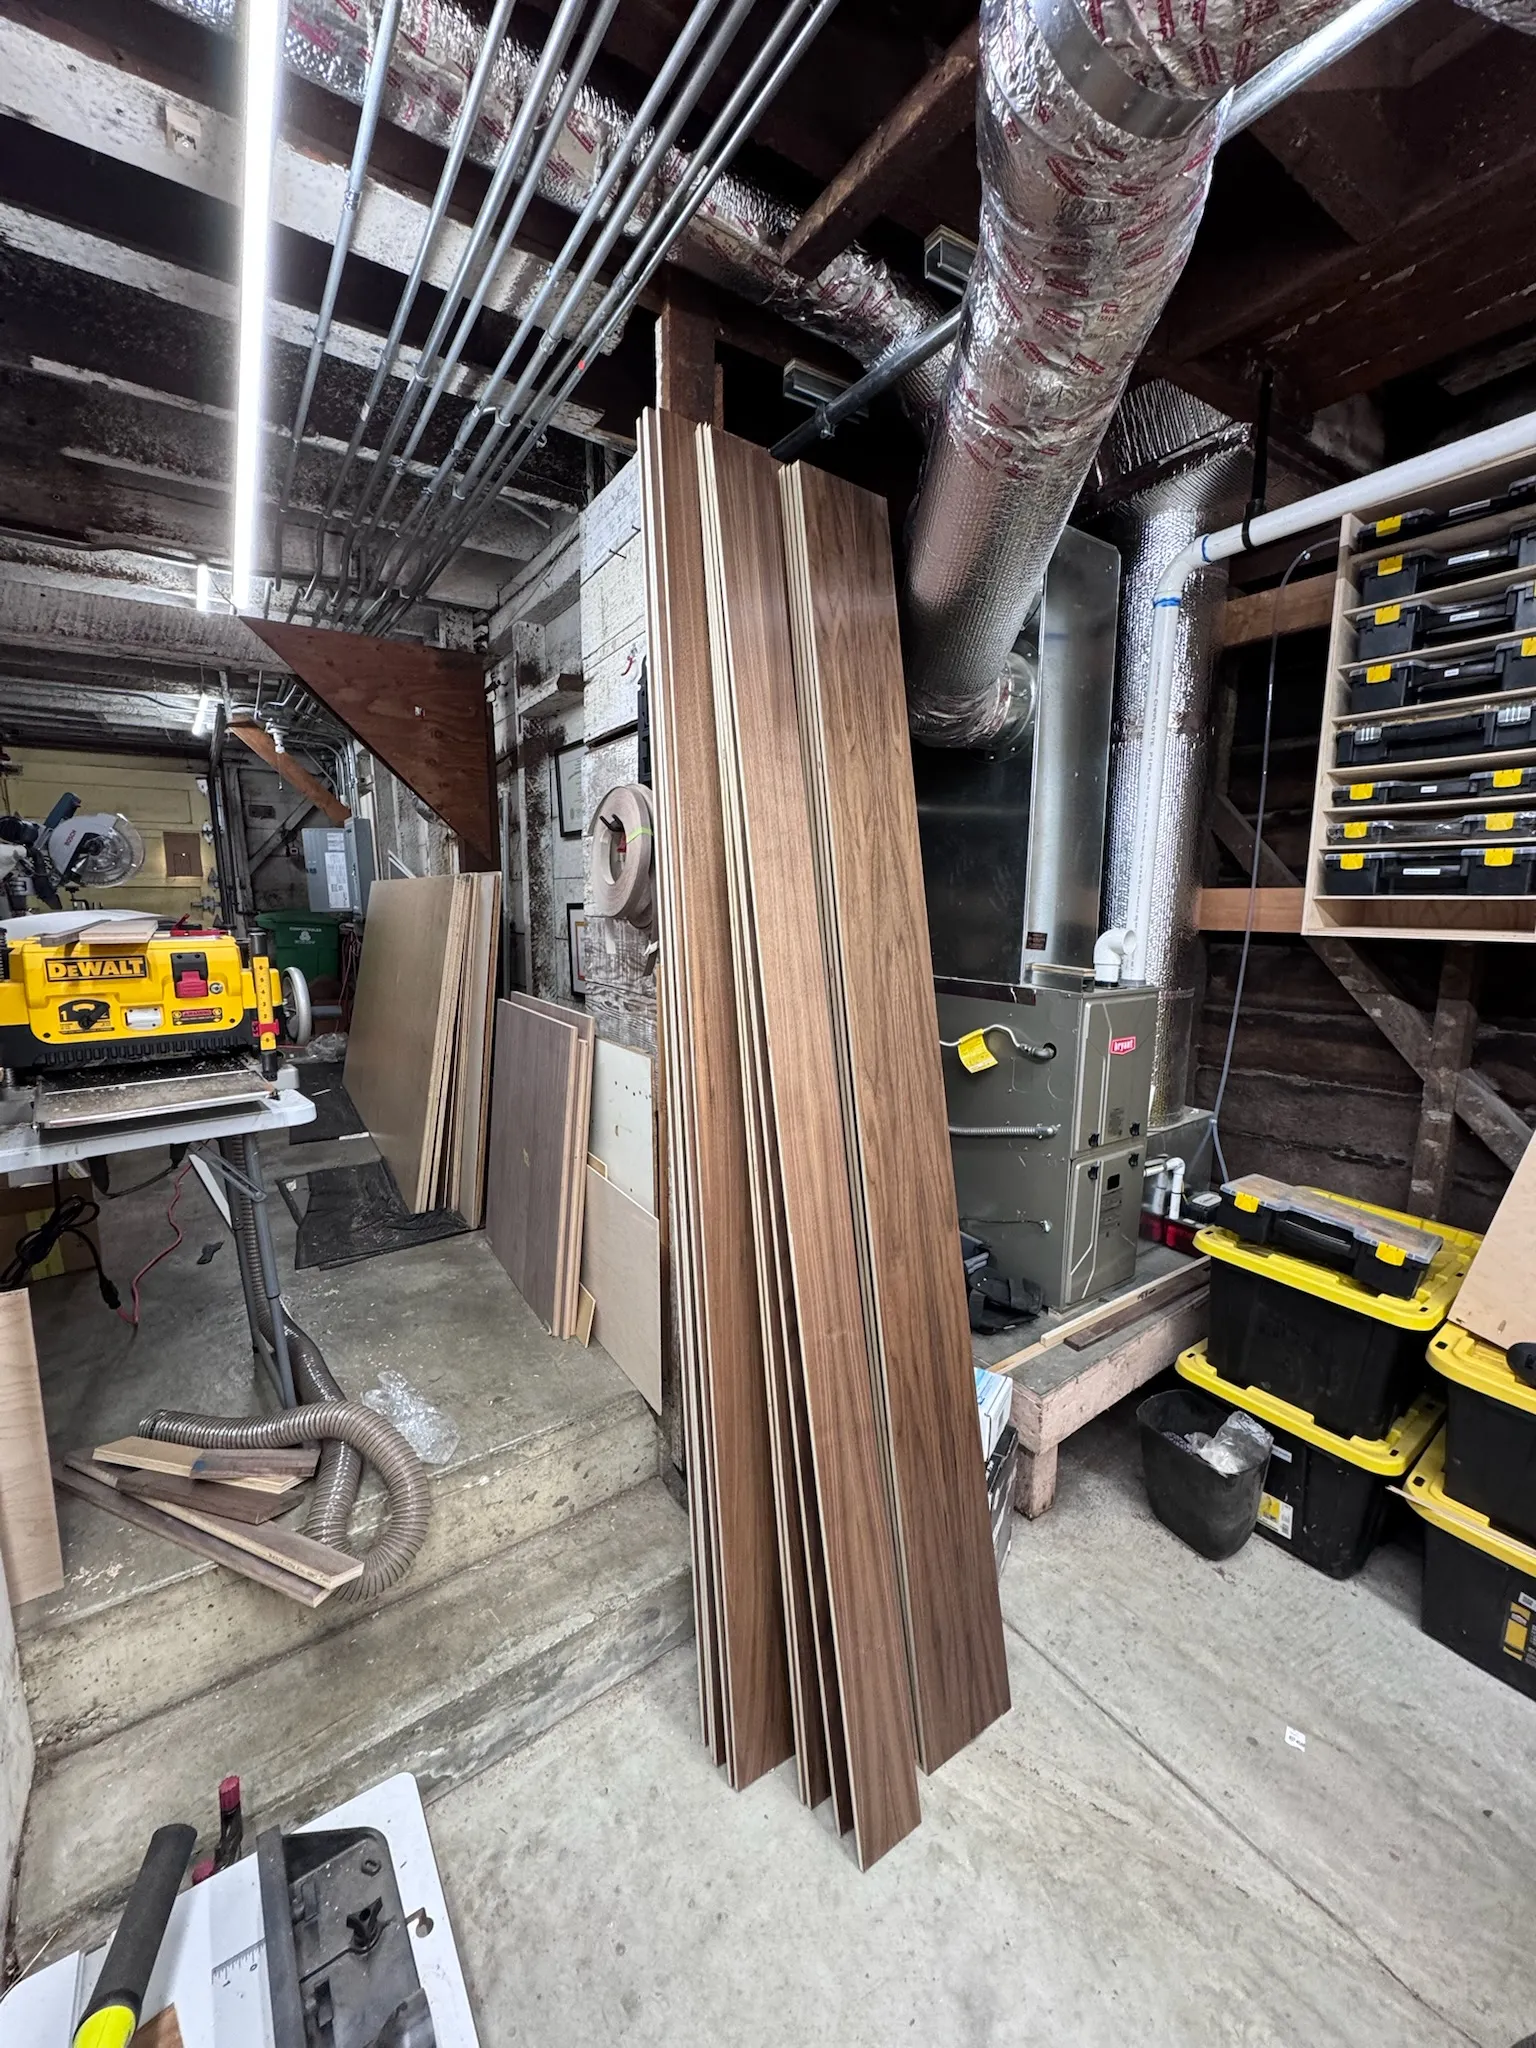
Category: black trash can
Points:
column 1213, row 1512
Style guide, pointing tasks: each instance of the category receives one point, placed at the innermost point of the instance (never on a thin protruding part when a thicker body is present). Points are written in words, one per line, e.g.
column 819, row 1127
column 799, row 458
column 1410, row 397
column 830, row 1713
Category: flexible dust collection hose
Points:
column 351, row 1435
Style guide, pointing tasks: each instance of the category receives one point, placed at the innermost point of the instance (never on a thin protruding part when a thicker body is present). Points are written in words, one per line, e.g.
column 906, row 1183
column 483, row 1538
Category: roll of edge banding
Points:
column 623, row 856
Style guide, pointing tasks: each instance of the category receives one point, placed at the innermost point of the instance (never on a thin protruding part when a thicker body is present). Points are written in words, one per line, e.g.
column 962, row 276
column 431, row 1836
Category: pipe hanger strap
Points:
column 1103, row 84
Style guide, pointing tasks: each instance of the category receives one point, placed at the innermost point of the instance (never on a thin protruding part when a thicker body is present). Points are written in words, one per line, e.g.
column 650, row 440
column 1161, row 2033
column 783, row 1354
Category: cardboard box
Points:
column 23, row 1209
column 1497, row 1301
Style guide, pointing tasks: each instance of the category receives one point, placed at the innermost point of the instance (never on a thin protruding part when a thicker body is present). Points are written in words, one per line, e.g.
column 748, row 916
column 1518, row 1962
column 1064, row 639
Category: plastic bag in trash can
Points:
column 1239, row 1445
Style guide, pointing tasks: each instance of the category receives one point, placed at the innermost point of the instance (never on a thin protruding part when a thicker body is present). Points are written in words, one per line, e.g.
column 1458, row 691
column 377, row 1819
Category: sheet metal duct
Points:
column 1096, row 130
column 856, row 302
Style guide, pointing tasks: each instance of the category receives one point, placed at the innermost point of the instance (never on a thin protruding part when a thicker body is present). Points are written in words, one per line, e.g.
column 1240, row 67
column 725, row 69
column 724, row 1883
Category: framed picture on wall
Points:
column 568, row 800
column 576, row 938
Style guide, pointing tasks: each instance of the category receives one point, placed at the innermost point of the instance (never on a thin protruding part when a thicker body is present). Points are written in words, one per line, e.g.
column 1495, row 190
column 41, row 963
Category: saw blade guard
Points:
column 118, row 858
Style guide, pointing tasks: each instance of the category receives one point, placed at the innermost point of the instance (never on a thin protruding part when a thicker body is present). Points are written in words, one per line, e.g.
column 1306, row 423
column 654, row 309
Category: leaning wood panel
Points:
column 760, row 755
column 532, row 1103
column 407, row 975
column 29, row 1528
column 848, row 656
column 704, row 1098
column 621, row 1270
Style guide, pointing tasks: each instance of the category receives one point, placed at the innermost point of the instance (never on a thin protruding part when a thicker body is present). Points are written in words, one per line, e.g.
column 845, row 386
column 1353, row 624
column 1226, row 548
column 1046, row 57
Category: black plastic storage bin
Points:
column 1496, row 785
column 1490, row 1432
column 1213, row 1512
column 1479, row 1583
column 1392, row 685
column 1325, row 1496
column 1351, row 1359
column 1405, row 740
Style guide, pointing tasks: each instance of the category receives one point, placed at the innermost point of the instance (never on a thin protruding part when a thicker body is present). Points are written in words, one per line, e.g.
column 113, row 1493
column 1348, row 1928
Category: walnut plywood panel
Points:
column 404, row 985
column 421, row 709
column 759, row 739
column 744, row 1675
column 29, row 1528
column 853, row 712
column 621, row 1270
column 532, row 1110
column 573, row 1179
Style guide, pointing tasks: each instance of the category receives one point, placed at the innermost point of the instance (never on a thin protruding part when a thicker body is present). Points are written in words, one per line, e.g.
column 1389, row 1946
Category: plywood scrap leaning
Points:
column 854, row 728
column 29, row 1527
column 541, row 1088
column 621, row 1270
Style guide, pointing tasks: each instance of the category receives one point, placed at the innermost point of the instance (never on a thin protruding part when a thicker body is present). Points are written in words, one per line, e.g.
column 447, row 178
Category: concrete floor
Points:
column 1140, row 1851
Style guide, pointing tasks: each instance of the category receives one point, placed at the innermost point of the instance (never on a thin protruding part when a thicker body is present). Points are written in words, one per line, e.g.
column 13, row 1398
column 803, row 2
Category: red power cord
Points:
column 170, row 1216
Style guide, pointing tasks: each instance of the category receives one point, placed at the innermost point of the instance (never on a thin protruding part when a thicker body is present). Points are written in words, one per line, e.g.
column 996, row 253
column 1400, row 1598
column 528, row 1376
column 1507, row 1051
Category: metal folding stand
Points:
column 246, row 1179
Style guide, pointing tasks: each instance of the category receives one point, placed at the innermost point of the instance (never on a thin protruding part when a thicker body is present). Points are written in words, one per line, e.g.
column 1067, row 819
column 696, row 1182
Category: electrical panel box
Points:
column 1048, row 1085
column 338, row 861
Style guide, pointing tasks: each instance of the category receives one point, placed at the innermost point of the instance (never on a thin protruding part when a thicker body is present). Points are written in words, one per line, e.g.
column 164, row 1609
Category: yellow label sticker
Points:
column 1361, row 792
column 1499, row 821
column 1499, row 857
column 1246, row 1202
column 1390, row 1254
column 1387, row 614
column 1517, row 1630
column 974, row 1055
column 1507, row 778
column 1277, row 1516
column 1389, row 565
column 1528, row 645
column 1379, row 672
column 1352, row 860
column 1388, row 525
column 1356, row 830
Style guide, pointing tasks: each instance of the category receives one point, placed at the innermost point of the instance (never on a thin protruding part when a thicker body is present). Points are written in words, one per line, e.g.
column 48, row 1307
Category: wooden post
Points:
column 685, row 361
column 1450, row 1052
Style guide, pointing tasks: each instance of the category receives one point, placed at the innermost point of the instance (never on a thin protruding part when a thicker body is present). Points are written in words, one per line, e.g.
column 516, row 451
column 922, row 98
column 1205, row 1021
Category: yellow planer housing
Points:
column 90, row 1001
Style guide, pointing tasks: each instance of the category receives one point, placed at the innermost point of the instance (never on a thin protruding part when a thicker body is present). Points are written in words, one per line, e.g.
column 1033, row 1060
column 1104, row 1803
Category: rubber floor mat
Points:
column 335, row 1117
column 355, row 1212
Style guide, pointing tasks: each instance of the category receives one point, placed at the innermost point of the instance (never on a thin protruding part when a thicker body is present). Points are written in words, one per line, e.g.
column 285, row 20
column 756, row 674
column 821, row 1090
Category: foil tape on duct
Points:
column 734, row 238
column 1095, row 131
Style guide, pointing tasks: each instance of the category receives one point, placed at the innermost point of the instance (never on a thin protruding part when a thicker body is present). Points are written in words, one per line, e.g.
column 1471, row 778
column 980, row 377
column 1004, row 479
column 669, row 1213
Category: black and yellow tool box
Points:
column 1350, row 1356
column 1427, row 739
column 1479, row 1582
column 1462, row 871
column 1392, row 629
column 1417, row 569
column 1385, row 1254
column 1325, row 1495
column 1490, row 1431
column 1423, row 519
column 1492, row 785
column 1390, row 685
column 1463, row 826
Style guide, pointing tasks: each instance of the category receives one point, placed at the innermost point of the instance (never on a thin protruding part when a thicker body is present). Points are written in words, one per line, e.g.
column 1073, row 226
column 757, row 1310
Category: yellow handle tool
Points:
column 112, row 2017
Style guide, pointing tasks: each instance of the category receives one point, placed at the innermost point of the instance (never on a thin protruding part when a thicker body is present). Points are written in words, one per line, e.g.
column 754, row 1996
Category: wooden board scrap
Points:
column 621, row 1270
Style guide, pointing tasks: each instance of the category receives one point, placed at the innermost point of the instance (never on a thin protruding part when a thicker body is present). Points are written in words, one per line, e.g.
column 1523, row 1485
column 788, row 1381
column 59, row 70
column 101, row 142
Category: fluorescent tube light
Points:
column 202, row 725
column 204, row 589
column 263, row 55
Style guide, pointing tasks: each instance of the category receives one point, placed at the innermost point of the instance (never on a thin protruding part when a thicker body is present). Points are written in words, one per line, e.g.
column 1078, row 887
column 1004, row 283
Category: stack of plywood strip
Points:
column 419, row 1053
column 541, row 1101
column 845, row 1585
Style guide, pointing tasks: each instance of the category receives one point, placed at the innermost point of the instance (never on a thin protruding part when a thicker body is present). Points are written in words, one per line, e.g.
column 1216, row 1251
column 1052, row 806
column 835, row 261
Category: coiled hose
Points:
column 351, row 1434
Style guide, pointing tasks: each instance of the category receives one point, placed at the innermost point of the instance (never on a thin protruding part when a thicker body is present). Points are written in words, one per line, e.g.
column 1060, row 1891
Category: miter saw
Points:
column 70, row 849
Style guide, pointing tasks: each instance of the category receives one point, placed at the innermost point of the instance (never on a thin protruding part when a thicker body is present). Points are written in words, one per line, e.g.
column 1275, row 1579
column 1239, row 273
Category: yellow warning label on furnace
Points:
column 975, row 1056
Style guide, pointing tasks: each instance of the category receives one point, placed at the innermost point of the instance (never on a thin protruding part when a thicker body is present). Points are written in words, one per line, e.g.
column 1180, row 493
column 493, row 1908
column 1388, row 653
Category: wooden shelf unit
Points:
column 1508, row 919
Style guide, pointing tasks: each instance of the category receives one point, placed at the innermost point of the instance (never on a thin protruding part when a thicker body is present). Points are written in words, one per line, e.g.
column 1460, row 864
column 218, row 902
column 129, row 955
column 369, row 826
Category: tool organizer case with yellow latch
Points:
column 98, row 1000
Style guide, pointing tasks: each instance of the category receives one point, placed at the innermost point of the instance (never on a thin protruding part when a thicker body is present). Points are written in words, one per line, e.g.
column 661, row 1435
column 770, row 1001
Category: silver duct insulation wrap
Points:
column 1520, row 14
column 1096, row 131
column 733, row 240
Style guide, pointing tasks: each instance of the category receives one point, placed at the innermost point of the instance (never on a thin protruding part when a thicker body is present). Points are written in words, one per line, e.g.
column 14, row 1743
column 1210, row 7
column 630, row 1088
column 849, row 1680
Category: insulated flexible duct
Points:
column 733, row 240
column 1096, row 130
column 351, row 1435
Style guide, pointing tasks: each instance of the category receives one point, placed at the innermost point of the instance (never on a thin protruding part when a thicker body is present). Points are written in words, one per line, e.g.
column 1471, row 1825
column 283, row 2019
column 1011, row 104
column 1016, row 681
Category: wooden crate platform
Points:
column 1070, row 1367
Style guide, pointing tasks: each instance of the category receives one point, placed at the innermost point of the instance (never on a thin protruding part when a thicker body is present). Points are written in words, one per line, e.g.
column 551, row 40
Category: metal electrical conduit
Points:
column 351, row 199
column 730, row 130
column 1516, row 439
column 1250, row 102
column 470, row 265
column 458, row 150
column 655, row 148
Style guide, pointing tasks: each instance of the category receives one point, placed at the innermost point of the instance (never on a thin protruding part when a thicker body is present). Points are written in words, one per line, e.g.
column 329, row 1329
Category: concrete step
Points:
column 444, row 1681
column 142, row 1625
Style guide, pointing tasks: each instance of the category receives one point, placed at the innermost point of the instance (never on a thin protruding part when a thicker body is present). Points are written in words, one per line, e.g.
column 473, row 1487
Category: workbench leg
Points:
column 1034, row 1487
column 271, row 1286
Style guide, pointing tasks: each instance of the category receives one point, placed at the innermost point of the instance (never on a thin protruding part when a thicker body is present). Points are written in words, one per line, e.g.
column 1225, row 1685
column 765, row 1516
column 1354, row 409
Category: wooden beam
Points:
column 1226, row 910
column 1346, row 155
column 298, row 777
column 421, row 710
column 685, row 361
column 1452, row 1037
column 1302, row 607
column 941, row 106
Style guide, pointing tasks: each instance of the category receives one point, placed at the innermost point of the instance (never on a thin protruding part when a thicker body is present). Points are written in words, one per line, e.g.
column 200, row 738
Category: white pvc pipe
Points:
column 1384, row 487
